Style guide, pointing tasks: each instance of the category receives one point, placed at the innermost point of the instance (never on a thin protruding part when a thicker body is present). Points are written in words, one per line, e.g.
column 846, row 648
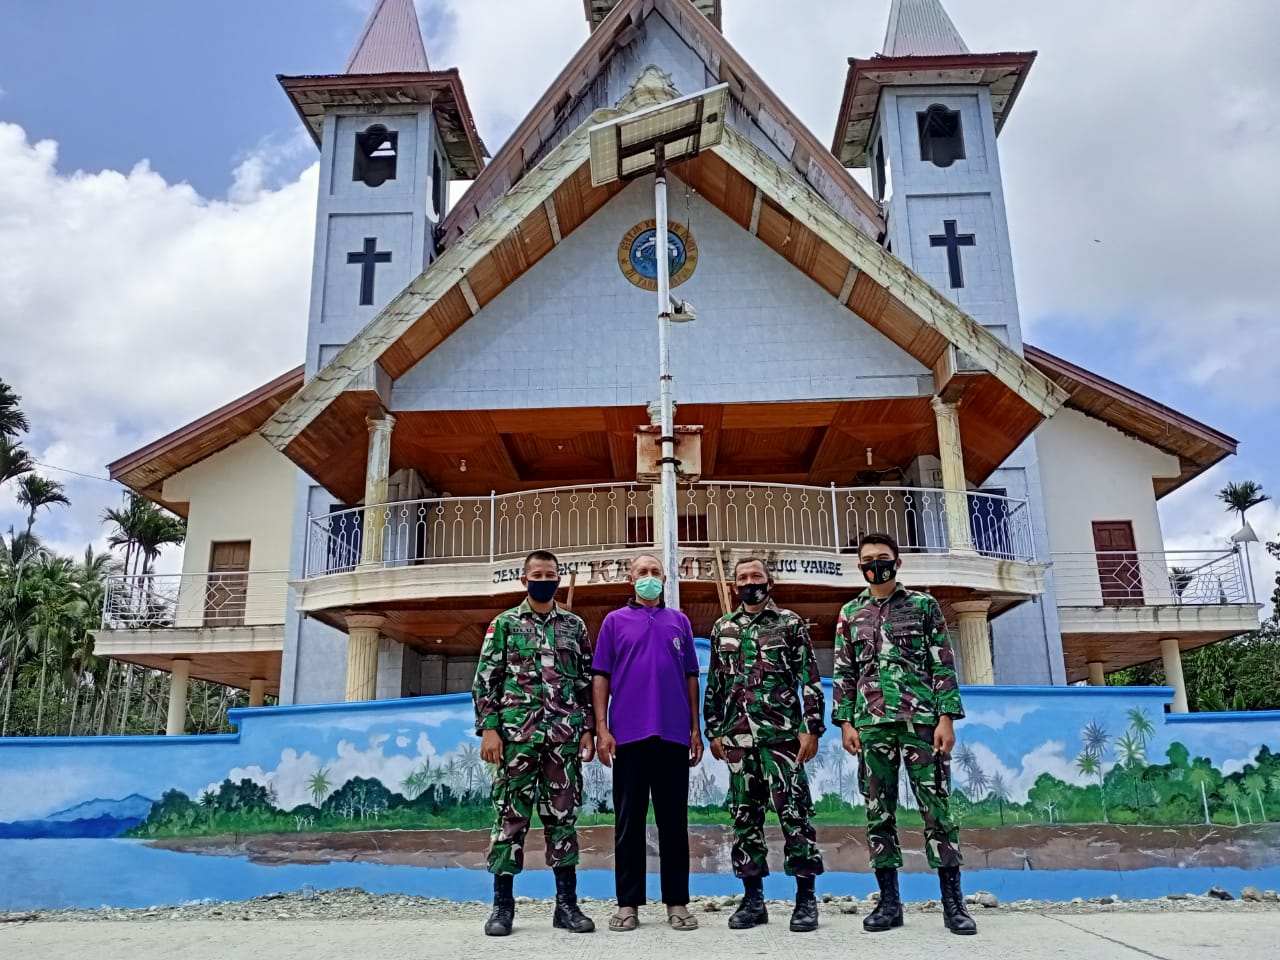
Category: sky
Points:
column 157, row 197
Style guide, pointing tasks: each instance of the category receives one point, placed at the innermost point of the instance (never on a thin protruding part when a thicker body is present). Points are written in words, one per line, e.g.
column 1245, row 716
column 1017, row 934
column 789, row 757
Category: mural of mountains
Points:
column 94, row 819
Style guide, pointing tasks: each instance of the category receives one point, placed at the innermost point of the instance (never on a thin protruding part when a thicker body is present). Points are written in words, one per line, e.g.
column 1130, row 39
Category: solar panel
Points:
column 627, row 147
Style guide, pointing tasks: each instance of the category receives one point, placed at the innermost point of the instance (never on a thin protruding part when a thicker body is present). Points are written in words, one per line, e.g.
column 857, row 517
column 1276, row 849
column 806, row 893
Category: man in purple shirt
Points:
column 645, row 660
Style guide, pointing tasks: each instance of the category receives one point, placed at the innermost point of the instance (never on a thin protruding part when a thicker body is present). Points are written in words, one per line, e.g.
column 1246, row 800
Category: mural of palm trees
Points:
column 319, row 785
column 1089, row 765
column 976, row 781
column 1132, row 757
column 1096, row 738
column 1000, row 791
column 416, row 782
column 835, row 760
column 1141, row 726
column 1203, row 777
column 1274, row 782
column 1255, row 783
column 1231, row 793
column 471, row 769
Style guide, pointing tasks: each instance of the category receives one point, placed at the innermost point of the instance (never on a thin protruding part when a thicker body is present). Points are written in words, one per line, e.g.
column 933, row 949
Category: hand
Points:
column 717, row 747
column 808, row 747
column 944, row 736
column 849, row 739
column 695, row 748
column 587, row 747
column 491, row 747
column 606, row 747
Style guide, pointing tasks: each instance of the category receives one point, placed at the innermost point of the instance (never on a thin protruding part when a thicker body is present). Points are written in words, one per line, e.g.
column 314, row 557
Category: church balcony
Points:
column 1116, row 607
column 229, row 625
column 443, row 551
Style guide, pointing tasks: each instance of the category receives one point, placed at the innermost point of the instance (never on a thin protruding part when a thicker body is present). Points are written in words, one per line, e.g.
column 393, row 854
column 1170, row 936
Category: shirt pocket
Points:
column 731, row 651
column 906, row 640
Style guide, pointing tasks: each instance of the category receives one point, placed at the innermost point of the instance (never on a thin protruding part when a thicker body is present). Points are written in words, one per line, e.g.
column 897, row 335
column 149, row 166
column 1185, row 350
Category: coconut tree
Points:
column 1132, row 758
column 1231, row 793
column 1255, row 783
column 1242, row 497
column 1096, row 739
column 319, row 785
column 35, row 491
column 1202, row 775
column 1141, row 726
column 999, row 790
column 1089, row 765
column 835, row 761
column 14, row 461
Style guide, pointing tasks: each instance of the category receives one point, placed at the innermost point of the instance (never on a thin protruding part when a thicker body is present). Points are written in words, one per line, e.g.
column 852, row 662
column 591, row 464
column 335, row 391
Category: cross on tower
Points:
column 368, row 258
column 953, row 242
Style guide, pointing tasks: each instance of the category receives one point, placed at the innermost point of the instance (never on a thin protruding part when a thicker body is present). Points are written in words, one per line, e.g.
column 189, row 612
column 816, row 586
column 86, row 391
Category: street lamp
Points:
column 632, row 146
column 1241, row 540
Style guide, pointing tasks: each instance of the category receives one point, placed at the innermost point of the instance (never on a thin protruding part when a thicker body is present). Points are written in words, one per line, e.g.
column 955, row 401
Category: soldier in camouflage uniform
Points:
column 532, row 696
column 761, row 655
column 896, row 698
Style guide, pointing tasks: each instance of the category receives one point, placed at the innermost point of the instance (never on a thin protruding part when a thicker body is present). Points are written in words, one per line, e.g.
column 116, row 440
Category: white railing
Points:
column 617, row 516
column 1132, row 578
column 157, row 601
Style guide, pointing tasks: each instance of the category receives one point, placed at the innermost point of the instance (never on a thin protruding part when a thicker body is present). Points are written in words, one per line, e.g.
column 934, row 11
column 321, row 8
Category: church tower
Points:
column 392, row 133
column 924, row 116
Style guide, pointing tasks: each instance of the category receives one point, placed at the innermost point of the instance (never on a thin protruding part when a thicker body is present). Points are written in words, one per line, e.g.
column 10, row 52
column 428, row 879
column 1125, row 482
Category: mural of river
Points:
column 1061, row 792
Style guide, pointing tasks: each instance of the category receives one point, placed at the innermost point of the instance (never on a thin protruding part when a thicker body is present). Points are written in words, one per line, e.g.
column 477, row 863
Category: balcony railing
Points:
column 1131, row 578
column 619, row 516
column 230, row 599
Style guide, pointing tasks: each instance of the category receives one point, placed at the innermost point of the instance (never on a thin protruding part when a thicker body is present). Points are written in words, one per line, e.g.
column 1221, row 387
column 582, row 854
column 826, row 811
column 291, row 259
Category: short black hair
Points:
column 760, row 560
column 878, row 539
column 541, row 555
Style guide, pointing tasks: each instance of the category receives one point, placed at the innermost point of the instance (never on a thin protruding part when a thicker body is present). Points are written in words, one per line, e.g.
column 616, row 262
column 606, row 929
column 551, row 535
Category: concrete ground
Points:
column 1003, row 936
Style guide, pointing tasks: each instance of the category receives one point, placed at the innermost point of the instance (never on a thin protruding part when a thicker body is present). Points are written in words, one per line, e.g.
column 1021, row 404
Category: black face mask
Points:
column 542, row 591
column 879, row 571
column 753, row 593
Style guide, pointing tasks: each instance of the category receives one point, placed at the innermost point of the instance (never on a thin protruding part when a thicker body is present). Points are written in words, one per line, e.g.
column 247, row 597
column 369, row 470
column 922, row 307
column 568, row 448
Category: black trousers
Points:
column 658, row 770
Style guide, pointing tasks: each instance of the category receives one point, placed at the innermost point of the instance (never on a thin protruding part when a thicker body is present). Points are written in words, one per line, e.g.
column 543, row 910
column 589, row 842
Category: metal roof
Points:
column 391, row 41
column 921, row 28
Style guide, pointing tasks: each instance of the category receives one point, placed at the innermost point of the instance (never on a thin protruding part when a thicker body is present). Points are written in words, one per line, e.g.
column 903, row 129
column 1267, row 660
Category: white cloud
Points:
column 998, row 717
column 1050, row 757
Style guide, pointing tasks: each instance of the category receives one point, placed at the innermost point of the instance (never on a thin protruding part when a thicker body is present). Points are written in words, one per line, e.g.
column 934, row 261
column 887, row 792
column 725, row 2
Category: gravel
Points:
column 356, row 904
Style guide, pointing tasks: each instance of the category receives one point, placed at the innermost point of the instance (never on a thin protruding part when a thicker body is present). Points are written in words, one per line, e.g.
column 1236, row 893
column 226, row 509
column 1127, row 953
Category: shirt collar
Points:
column 635, row 604
column 527, row 611
column 866, row 596
column 769, row 607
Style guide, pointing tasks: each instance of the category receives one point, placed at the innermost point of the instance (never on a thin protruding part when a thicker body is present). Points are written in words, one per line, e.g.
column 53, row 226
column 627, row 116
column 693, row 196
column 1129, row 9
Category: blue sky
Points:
column 170, row 232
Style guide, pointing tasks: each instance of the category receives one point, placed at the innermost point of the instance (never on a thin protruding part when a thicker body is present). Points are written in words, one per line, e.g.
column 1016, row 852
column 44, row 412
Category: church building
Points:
column 483, row 380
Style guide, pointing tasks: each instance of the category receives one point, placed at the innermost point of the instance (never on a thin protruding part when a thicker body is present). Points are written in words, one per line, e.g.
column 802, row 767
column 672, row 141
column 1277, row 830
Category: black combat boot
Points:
column 888, row 912
column 567, row 915
column 954, row 914
column 804, row 918
column 504, row 907
column 751, row 912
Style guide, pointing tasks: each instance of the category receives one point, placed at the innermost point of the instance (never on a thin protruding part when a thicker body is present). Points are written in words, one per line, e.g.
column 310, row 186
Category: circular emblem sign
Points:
column 637, row 254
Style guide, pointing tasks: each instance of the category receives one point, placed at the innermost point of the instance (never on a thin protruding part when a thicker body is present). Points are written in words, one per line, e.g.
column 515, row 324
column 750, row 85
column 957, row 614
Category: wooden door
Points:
column 1119, row 572
column 227, row 589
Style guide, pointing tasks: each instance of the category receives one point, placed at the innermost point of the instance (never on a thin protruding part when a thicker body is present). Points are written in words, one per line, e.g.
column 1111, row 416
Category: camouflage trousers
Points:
column 547, row 776
column 883, row 746
column 760, row 777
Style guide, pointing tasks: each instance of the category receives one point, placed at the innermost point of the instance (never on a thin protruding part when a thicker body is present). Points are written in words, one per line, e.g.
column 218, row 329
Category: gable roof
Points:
column 921, row 28
column 546, row 123
column 325, row 419
column 391, row 41
column 1196, row 445
column 598, row 10
column 145, row 470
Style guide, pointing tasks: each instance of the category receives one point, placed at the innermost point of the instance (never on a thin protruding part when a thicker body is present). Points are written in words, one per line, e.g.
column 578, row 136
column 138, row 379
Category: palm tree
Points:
column 1132, row 757
column 975, row 778
column 1231, row 792
column 1203, row 776
column 1096, row 739
column 35, row 491
column 1179, row 579
column 836, row 760
column 12, row 420
column 1242, row 497
column 1274, row 782
column 1000, row 791
column 14, row 461
column 1141, row 725
column 1089, row 764
column 1255, row 783
column 416, row 782
column 319, row 785
column 470, row 765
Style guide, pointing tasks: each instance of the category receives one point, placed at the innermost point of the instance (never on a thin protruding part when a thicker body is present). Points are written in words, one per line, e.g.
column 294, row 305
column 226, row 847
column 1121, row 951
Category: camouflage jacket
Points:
column 894, row 661
column 758, row 663
column 533, row 682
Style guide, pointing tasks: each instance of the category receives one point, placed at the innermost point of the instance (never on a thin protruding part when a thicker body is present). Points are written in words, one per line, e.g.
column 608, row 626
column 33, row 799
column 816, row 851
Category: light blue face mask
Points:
column 648, row 588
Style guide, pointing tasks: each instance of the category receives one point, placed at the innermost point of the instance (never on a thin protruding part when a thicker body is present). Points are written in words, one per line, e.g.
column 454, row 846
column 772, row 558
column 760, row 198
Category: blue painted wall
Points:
column 1061, row 792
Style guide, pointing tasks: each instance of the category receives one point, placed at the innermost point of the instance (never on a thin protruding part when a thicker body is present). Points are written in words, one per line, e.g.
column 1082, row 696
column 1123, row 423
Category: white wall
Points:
column 1091, row 471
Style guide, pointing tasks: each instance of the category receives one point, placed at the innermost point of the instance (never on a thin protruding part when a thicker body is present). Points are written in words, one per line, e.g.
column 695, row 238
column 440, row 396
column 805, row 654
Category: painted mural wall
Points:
column 1061, row 792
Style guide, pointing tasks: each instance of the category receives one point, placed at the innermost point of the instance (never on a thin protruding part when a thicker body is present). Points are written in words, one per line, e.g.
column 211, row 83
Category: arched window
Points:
column 375, row 156
column 941, row 136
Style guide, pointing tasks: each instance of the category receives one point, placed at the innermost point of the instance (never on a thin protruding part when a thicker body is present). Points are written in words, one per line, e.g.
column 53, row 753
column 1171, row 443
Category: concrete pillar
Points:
column 257, row 691
column 376, row 475
column 951, row 454
column 1097, row 678
column 974, row 641
column 362, row 656
column 178, row 676
column 1172, row 657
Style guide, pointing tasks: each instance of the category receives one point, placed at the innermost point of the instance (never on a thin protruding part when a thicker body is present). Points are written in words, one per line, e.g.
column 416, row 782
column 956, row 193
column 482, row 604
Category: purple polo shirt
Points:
column 647, row 654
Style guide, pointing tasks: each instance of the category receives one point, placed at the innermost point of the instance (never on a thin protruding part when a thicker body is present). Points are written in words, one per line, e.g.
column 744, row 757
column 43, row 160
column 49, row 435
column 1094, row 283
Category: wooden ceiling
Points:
column 1121, row 649
column 819, row 442
column 229, row 669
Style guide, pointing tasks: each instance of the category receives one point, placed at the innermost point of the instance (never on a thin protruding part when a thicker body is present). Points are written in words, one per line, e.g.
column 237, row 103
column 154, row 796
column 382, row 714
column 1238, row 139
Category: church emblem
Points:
column 637, row 254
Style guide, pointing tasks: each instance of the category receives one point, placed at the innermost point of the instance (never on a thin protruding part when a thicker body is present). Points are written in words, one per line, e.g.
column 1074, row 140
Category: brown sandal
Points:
column 682, row 921
column 624, row 922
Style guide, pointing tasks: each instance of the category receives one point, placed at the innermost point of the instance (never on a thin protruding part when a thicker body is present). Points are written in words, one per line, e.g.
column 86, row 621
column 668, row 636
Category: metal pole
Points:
column 670, row 535
column 1248, row 572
